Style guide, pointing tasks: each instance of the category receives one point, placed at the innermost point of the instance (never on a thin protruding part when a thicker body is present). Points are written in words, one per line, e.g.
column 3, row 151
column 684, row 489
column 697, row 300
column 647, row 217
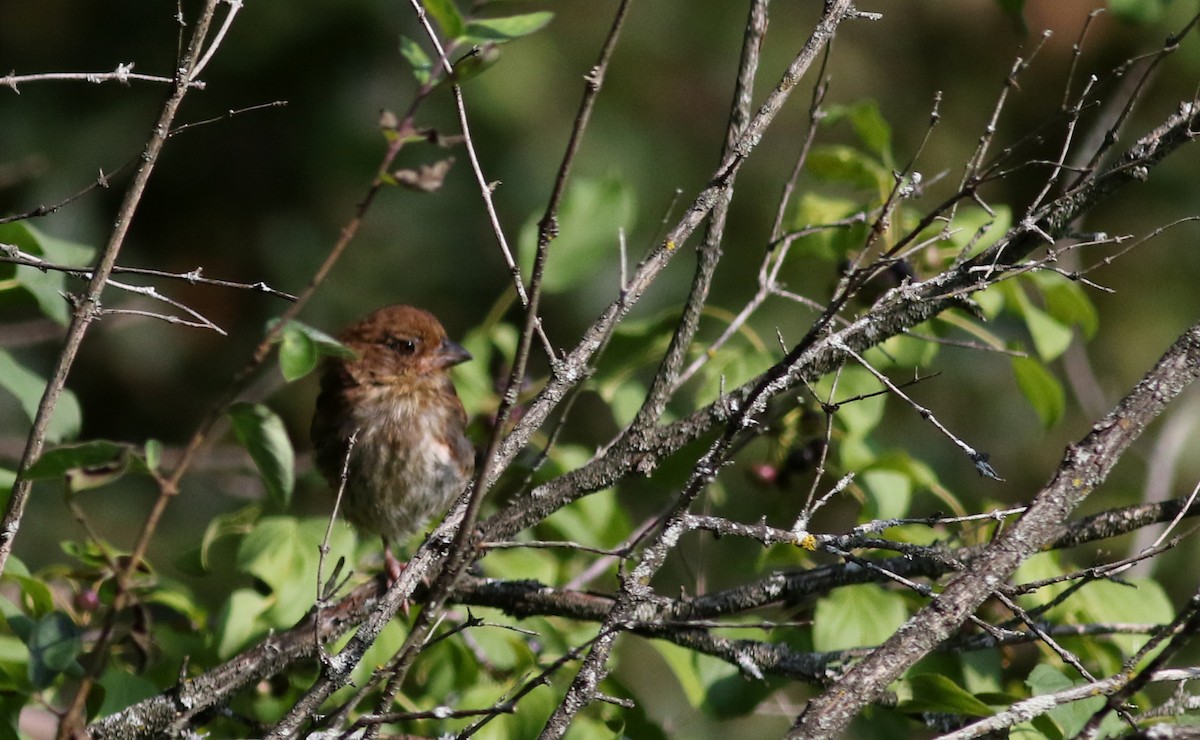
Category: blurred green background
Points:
column 263, row 195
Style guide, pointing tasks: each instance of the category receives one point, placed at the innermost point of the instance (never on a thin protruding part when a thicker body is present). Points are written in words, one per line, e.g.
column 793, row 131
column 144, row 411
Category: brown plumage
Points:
column 411, row 456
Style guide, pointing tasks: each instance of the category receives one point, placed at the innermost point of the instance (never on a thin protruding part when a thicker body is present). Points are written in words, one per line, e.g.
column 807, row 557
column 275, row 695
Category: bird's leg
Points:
column 392, row 567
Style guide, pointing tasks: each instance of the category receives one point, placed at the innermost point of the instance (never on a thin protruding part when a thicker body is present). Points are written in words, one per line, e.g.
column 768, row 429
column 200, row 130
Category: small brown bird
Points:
column 411, row 456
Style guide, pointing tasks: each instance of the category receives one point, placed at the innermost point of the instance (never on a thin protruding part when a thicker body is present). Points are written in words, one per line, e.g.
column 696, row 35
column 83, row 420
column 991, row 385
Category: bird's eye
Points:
column 401, row 345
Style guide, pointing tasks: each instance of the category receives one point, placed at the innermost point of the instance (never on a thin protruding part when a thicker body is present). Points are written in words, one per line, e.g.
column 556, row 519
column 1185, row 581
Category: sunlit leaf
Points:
column 264, row 436
column 731, row 368
column 683, row 665
column 232, row 523
column 283, row 552
column 869, row 125
column 499, row 30
column 903, row 350
column 596, row 519
column 297, row 354
column 1138, row 601
column 301, row 347
column 240, row 620
column 152, row 454
column 974, row 229
column 446, row 15
column 857, row 616
column 889, row 493
column 830, row 244
column 861, row 415
column 837, row 163
column 1068, row 718
column 1050, row 337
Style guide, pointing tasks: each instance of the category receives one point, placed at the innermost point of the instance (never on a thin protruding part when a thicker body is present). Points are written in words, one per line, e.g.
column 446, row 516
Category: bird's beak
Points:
column 451, row 353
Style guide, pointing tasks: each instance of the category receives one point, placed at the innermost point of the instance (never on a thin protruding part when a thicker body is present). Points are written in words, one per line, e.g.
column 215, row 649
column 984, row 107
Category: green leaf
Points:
column 592, row 214
column 596, row 519
column 37, row 598
column 227, row 524
column 301, row 346
column 860, row 417
column 832, row 244
column 683, row 665
column 446, row 15
column 98, row 455
column 977, row 229
column 857, row 616
column 283, row 553
column 1050, row 337
column 1069, row 718
column 491, row 346
column 240, row 620
column 326, row 345
column 53, row 646
column 264, row 436
column 730, row 369
column 474, row 63
column 273, row 553
column 838, row 163
column 905, row 351
column 123, row 689
column 500, row 30
column 297, row 354
column 28, row 388
column 1138, row 12
column 889, row 494
column 45, row 287
column 421, row 63
column 934, row 692
column 1139, row 601
column 1067, row 302
column 181, row 602
column 624, row 399
column 1041, row 389
column 869, row 125
column 152, row 454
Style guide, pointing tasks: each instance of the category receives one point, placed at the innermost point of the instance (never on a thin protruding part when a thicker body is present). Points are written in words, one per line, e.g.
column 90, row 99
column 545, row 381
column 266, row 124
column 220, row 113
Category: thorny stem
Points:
column 1084, row 467
column 634, row 587
column 460, row 550
column 666, row 378
column 87, row 308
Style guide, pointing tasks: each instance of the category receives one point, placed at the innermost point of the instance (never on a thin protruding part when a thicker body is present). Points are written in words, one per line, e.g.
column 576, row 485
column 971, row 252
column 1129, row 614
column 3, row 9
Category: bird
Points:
column 411, row 456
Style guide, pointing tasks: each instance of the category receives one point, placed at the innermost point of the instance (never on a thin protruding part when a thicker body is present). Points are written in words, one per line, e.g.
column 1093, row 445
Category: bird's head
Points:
column 399, row 342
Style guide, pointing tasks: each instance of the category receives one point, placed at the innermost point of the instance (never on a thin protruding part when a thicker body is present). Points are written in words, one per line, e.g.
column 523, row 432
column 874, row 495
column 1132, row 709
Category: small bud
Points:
column 87, row 601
